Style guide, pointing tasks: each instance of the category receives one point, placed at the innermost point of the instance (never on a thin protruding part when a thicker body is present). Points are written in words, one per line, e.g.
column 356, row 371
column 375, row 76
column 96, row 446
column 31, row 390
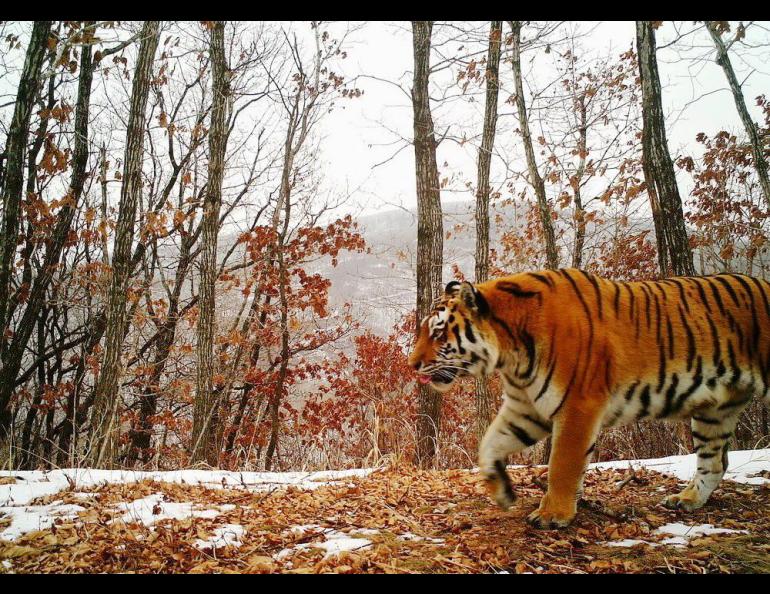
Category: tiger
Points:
column 577, row 353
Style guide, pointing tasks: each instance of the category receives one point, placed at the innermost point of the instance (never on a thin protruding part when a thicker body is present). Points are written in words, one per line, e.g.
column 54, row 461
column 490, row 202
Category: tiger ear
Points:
column 452, row 288
column 473, row 299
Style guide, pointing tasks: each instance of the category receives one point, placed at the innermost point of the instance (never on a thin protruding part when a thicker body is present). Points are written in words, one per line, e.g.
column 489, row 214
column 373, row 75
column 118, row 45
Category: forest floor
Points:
column 393, row 520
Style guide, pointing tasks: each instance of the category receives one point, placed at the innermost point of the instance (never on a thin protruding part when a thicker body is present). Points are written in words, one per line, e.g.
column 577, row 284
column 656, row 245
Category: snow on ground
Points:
column 679, row 535
column 742, row 467
column 334, row 542
column 35, row 517
column 227, row 535
column 153, row 508
column 750, row 467
column 29, row 485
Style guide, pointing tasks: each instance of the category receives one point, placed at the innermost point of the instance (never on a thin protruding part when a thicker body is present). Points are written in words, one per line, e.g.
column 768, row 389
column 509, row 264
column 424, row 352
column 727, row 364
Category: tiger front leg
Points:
column 575, row 433
column 516, row 427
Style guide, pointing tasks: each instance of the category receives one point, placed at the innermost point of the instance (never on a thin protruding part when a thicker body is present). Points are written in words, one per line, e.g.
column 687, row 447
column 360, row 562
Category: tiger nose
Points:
column 414, row 362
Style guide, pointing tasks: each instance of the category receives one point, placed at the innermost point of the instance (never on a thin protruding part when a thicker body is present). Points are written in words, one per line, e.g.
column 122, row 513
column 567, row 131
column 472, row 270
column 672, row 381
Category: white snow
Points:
column 742, row 465
column 30, row 485
column 334, row 542
column 28, row 518
column 679, row 535
column 227, row 535
column 337, row 542
column 152, row 509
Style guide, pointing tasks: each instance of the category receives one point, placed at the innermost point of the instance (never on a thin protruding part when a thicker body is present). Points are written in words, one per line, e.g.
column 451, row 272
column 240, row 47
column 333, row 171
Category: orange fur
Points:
column 577, row 351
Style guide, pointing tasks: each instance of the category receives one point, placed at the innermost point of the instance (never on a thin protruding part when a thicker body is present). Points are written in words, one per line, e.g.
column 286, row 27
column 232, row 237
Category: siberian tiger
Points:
column 577, row 352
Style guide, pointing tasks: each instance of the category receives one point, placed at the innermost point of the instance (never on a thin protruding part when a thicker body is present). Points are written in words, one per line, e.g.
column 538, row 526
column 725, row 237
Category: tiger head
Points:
column 456, row 339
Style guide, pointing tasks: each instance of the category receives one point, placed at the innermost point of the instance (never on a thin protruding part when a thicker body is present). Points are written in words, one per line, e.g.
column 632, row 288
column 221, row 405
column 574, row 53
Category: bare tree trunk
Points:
column 280, row 386
column 248, row 387
column 204, row 415
column 579, row 214
column 658, row 167
column 535, row 180
column 26, row 458
column 657, row 217
column 13, row 182
column 757, row 150
column 12, row 357
column 674, row 254
column 483, row 190
column 430, row 228
column 103, row 418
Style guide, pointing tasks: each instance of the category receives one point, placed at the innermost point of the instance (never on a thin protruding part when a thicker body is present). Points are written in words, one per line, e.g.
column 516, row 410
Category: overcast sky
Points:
column 695, row 97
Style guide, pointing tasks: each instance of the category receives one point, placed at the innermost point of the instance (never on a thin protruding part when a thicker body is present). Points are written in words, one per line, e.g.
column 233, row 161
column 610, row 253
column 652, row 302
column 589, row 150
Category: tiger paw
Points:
column 544, row 519
column 686, row 500
column 505, row 498
column 501, row 492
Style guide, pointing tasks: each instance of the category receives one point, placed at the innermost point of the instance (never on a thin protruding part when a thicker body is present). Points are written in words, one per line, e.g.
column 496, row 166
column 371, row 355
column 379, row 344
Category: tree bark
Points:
column 12, row 357
column 535, row 180
column 757, row 150
column 204, row 414
column 430, row 231
column 577, row 198
column 13, row 180
column 483, row 190
column 103, row 418
column 658, row 168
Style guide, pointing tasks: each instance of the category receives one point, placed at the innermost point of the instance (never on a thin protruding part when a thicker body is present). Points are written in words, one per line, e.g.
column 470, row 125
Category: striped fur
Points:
column 577, row 352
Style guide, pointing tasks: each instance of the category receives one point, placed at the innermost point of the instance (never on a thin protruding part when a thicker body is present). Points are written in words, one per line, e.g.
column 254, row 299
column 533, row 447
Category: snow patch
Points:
column 334, row 542
column 679, row 535
column 31, row 484
column 152, row 509
column 227, row 535
column 743, row 464
column 29, row 518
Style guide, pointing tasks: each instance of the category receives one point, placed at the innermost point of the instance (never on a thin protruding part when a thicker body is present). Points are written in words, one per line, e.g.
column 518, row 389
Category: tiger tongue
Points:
column 423, row 379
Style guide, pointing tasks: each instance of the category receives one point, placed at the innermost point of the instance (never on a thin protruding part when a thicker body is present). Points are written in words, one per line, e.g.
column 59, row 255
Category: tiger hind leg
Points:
column 516, row 427
column 711, row 433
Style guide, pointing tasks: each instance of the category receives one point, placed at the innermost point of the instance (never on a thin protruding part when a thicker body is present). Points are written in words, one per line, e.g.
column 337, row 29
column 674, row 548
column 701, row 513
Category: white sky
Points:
column 353, row 136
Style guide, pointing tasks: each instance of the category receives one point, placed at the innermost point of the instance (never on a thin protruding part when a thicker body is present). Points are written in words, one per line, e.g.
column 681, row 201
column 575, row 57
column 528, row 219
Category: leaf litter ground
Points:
column 396, row 520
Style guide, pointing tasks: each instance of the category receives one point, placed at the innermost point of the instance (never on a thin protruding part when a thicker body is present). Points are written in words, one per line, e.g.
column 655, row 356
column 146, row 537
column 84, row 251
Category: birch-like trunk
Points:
column 204, row 413
column 103, row 442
